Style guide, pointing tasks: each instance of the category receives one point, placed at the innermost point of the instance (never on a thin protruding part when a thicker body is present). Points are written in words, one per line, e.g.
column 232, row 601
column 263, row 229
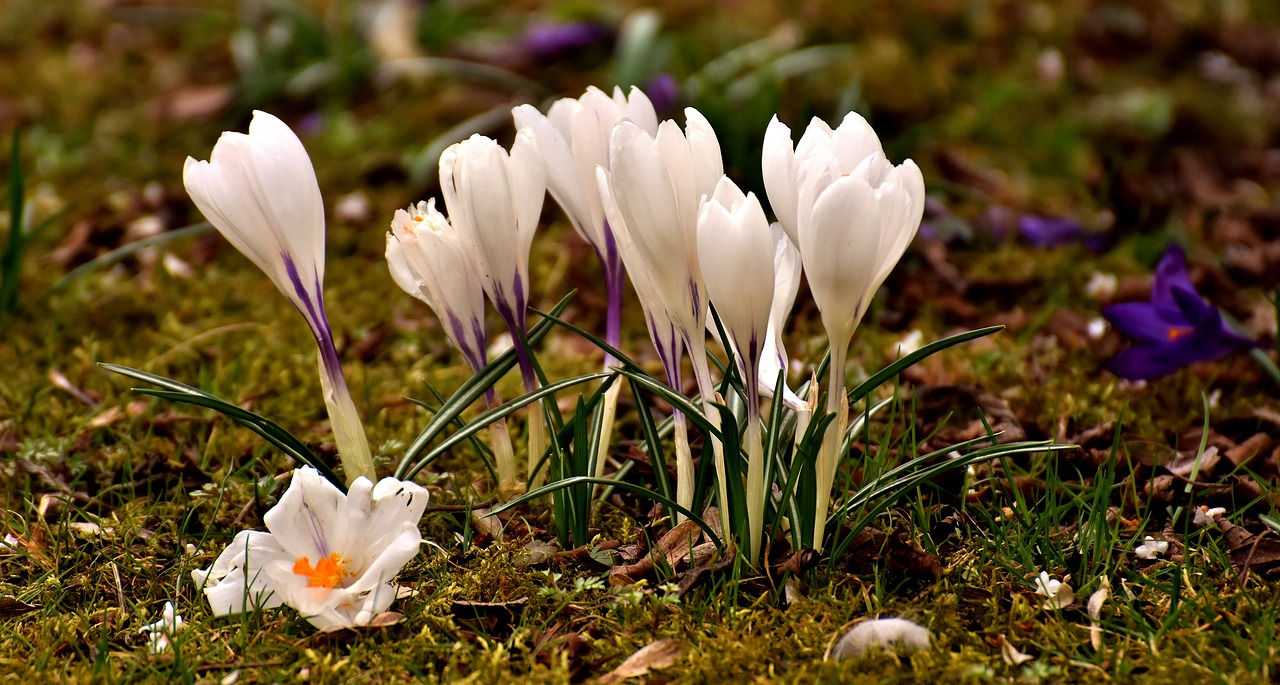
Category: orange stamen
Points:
column 328, row 572
column 1176, row 332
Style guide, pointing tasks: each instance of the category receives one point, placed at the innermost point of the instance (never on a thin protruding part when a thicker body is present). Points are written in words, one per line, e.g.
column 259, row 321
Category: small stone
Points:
column 891, row 634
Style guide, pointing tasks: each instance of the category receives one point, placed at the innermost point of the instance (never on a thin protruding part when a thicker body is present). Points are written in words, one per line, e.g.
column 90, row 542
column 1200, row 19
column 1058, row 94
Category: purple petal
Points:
column 1207, row 343
column 550, row 39
column 664, row 93
column 1044, row 231
column 1146, row 322
column 1171, row 274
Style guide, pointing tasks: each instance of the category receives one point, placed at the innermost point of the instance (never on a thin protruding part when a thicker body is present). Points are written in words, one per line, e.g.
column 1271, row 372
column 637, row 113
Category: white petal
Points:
column 236, row 582
column 310, row 520
column 838, row 251
column 778, row 166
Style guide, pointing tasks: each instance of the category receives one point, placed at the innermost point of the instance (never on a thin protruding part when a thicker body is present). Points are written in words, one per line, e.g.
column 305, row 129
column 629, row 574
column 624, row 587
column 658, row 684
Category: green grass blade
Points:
column 485, row 418
column 11, row 258
column 470, row 391
column 879, row 377
column 634, row 489
column 267, row 429
column 652, row 439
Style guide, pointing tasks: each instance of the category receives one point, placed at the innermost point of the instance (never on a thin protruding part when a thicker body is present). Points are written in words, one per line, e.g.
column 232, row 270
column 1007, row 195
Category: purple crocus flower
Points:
column 1177, row 327
column 1045, row 231
column 552, row 39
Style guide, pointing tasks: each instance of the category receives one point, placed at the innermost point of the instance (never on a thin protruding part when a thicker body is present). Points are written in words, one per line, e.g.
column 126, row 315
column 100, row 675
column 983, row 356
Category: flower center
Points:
column 328, row 572
column 1176, row 332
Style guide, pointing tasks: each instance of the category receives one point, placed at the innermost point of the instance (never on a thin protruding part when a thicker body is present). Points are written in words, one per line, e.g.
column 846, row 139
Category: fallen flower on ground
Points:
column 1058, row 592
column 1177, row 327
column 890, row 634
column 162, row 631
column 330, row 556
column 1151, row 548
column 1206, row 516
column 1094, row 607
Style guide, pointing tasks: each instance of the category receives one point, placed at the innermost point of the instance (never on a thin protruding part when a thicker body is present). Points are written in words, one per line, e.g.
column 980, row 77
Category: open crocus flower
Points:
column 260, row 191
column 736, row 252
column 1177, row 327
column 852, row 214
column 330, row 556
column 432, row 262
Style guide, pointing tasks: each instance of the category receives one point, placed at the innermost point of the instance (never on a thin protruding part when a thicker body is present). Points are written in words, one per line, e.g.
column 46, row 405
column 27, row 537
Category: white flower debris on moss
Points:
column 1101, row 286
column 1094, row 607
column 1206, row 516
column 890, row 634
column 162, row 631
column 1059, row 593
column 1151, row 548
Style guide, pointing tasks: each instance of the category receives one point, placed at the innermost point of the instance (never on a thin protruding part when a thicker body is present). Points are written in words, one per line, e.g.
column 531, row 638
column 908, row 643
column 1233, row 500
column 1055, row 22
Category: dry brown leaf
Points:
column 12, row 606
column 660, row 654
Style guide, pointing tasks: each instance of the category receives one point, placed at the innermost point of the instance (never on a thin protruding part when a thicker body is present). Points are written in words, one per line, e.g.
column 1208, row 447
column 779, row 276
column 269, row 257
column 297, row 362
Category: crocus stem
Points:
column 610, row 408
column 504, row 456
column 825, row 469
column 537, row 427
column 684, row 465
column 348, row 431
column 755, row 485
column 702, row 374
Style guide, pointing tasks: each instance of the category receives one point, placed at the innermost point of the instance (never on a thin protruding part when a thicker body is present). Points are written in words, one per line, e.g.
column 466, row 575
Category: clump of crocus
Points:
column 331, row 556
column 431, row 261
column 1175, row 328
column 260, row 191
column 852, row 214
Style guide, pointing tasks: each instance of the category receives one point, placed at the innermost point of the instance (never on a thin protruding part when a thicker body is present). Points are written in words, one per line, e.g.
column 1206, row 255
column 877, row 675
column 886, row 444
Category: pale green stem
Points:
column 606, row 427
column 348, row 431
column 755, row 485
column 702, row 374
column 825, row 469
column 504, row 458
column 537, row 445
column 684, row 465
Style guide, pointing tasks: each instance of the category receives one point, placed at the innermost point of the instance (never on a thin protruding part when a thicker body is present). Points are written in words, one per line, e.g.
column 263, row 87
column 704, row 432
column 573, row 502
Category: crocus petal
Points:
column 236, row 582
column 834, row 246
column 778, row 166
column 311, row 518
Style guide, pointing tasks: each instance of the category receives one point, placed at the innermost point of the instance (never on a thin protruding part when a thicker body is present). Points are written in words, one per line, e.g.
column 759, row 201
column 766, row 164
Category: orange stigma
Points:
column 328, row 572
column 1176, row 332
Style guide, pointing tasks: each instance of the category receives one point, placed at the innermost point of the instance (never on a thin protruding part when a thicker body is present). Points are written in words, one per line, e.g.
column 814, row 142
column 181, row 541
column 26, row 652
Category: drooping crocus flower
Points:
column 852, row 214
column 1177, row 327
column 494, row 200
column 431, row 261
column 260, row 191
column 657, row 183
column 330, row 556
column 573, row 139
column 736, row 252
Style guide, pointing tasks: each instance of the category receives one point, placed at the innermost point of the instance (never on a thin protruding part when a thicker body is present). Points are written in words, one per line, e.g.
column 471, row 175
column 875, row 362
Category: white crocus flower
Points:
column 854, row 215
column 495, row 198
column 1151, row 548
column 431, row 261
column 1059, row 592
column 260, row 191
column 573, row 139
column 737, row 258
column 160, row 634
column 330, row 556
column 657, row 182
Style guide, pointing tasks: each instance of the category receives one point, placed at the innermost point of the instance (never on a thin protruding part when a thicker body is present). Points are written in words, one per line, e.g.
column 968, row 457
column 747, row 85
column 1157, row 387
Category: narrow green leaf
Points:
column 666, row 502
